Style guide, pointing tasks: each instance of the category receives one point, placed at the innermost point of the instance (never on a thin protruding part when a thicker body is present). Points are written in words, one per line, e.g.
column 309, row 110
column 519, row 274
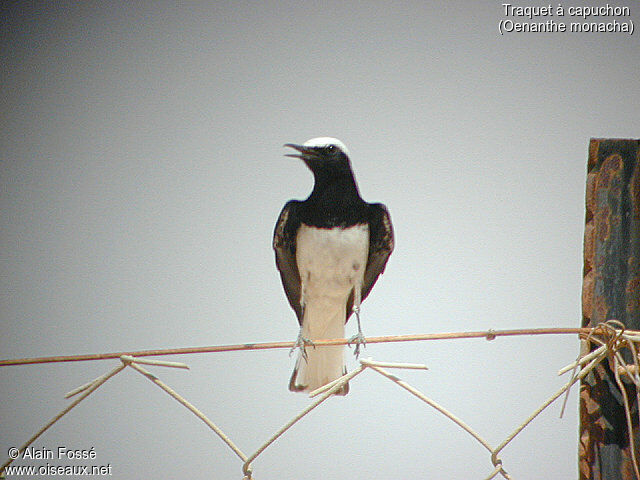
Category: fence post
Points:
column 610, row 290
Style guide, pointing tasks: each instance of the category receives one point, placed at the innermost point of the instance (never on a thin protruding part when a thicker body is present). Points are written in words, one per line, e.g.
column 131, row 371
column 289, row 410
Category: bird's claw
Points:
column 358, row 339
column 302, row 342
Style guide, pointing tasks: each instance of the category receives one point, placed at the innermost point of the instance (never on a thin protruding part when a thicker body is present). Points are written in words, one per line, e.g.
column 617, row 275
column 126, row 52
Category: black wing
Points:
column 380, row 247
column 284, row 244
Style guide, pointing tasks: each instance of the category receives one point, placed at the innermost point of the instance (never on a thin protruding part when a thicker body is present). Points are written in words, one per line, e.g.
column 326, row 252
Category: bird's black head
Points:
column 323, row 155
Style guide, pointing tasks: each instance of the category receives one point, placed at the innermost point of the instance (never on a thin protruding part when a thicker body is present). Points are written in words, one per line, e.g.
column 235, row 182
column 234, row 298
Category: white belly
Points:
column 331, row 262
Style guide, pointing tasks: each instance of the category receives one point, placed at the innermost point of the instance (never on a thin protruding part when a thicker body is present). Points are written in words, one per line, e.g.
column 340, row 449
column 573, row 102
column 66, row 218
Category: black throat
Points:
column 334, row 201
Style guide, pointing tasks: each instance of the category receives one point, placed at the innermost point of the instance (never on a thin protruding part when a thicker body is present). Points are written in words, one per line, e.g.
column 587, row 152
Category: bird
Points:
column 330, row 250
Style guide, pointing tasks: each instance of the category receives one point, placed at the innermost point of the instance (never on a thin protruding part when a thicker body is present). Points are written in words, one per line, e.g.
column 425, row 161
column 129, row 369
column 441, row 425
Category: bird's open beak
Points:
column 305, row 152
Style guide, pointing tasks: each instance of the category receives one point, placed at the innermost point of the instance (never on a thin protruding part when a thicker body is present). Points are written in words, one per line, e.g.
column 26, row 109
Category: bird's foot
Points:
column 302, row 342
column 358, row 339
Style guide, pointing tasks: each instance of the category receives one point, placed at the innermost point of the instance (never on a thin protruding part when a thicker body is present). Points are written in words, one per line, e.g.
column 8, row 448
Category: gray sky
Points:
column 141, row 174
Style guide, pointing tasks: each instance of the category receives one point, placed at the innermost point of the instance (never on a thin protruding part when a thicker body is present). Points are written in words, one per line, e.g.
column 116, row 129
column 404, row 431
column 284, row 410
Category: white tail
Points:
column 323, row 364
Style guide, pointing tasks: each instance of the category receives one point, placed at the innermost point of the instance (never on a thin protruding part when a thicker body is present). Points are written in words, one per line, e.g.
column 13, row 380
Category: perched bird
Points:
column 330, row 250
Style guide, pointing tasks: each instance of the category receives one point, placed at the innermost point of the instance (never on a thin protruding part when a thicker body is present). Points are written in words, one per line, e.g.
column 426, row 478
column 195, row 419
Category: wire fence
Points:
column 608, row 340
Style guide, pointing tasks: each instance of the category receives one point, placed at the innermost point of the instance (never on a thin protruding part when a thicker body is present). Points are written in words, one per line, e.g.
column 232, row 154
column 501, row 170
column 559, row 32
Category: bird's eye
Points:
column 331, row 148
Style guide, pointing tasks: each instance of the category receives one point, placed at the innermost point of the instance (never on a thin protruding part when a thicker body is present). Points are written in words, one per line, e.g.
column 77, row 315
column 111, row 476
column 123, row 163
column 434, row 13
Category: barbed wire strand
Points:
column 607, row 329
column 96, row 384
column 634, row 375
column 635, row 369
column 627, row 412
column 582, row 360
column 494, row 452
column 574, row 371
column 600, row 353
column 488, row 334
column 86, row 386
column 617, row 361
column 189, row 406
column 495, row 472
column 157, row 363
column 369, row 362
column 615, row 339
column 336, row 385
column 430, row 402
column 417, row 393
column 548, row 402
column 612, row 341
